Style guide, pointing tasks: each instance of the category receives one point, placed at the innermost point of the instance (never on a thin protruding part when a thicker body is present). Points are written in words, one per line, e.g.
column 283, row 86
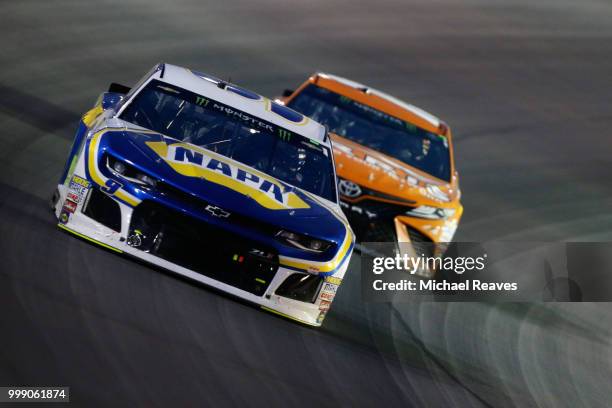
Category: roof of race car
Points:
column 244, row 99
column 404, row 105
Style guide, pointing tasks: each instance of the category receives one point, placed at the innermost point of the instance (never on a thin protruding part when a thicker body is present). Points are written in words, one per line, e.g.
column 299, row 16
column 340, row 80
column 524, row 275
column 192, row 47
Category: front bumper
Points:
column 380, row 221
column 198, row 251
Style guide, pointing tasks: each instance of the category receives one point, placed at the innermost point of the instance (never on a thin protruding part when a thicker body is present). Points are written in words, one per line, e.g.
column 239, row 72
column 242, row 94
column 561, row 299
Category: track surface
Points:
column 526, row 88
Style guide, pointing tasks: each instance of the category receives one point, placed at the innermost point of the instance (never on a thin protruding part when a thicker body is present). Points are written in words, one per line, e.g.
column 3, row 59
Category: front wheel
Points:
column 54, row 199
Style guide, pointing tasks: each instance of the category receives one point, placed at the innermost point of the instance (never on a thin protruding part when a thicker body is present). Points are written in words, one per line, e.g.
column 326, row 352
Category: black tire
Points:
column 54, row 199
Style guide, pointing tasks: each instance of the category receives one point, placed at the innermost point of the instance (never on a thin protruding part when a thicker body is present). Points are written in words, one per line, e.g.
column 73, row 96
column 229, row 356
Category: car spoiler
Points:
column 118, row 88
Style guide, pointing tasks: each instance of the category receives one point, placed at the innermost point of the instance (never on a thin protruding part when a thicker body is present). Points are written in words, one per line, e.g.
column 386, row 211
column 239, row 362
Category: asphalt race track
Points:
column 525, row 85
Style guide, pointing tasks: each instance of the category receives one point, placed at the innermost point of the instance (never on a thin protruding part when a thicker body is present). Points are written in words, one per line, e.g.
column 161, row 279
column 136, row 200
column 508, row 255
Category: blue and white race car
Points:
column 213, row 182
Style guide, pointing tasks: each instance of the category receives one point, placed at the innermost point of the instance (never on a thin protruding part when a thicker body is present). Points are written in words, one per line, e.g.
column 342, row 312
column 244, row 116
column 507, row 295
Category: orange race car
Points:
column 396, row 174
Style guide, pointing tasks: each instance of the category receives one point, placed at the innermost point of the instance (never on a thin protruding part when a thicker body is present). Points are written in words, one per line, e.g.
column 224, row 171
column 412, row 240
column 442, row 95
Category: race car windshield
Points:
column 375, row 129
column 223, row 129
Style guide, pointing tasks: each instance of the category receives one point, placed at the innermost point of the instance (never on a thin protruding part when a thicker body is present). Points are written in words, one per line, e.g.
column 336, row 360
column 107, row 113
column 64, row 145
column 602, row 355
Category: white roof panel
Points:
column 415, row 110
column 243, row 99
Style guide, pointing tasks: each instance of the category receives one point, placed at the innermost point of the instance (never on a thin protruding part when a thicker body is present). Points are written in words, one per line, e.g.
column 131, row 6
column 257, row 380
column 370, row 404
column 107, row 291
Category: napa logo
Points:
column 192, row 161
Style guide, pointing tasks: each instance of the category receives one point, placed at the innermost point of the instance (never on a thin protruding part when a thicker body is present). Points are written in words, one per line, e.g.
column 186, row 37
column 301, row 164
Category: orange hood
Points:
column 377, row 171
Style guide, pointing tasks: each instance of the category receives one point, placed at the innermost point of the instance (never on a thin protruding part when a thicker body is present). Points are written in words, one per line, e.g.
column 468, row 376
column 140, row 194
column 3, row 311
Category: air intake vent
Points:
column 103, row 209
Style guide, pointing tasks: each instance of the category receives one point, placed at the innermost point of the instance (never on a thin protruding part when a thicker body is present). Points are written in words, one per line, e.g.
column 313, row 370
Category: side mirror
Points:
column 118, row 88
column 287, row 92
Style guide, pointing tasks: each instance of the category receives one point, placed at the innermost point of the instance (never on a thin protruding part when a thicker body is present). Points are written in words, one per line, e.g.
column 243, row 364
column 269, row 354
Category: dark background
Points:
column 526, row 88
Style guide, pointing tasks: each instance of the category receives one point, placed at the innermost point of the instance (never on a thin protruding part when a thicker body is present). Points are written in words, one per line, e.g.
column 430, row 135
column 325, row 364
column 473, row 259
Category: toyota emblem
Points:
column 348, row 188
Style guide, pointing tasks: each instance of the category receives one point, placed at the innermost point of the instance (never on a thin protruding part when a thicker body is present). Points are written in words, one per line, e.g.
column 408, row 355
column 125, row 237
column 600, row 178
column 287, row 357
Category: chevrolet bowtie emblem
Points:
column 217, row 212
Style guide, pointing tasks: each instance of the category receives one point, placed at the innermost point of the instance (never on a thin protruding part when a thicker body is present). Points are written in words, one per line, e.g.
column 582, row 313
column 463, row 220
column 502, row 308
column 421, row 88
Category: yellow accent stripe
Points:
column 195, row 170
column 127, row 198
column 267, row 309
column 93, row 145
column 213, row 176
column 89, row 239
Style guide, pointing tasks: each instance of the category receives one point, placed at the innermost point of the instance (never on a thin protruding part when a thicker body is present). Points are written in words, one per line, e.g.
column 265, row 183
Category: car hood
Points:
column 225, row 183
column 379, row 172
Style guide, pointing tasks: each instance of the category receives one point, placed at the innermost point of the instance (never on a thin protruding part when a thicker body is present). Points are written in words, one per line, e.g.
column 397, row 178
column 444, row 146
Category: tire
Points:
column 54, row 199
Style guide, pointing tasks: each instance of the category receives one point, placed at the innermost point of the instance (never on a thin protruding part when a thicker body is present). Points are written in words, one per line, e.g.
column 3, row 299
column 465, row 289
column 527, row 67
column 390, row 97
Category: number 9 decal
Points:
column 111, row 186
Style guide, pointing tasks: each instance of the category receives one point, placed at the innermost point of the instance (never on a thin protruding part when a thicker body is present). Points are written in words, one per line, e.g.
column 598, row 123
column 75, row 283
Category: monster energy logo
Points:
column 201, row 101
column 284, row 134
column 411, row 127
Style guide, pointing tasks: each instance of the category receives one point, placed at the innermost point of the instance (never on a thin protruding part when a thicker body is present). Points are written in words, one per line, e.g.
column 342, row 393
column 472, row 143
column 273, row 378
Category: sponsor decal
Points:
column 80, row 181
column 284, row 134
column 327, row 296
column 323, row 309
column 192, row 161
column 70, row 206
column 434, row 193
column 359, row 210
column 388, row 168
column 73, row 197
column 328, row 292
column 334, row 280
column 64, row 216
column 77, row 188
column 330, row 288
column 236, row 114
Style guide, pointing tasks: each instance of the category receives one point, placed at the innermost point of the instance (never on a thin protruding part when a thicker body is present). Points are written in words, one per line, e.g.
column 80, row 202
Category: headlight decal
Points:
column 431, row 213
column 109, row 186
column 126, row 171
column 303, row 242
column 329, row 267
